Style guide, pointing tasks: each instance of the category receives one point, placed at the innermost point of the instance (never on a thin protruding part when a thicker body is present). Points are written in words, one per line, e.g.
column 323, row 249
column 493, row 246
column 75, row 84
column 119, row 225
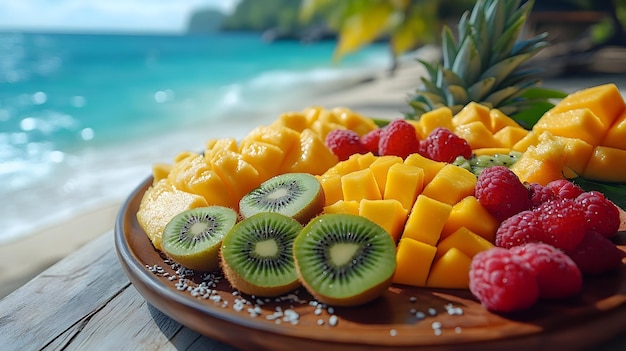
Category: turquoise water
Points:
column 71, row 103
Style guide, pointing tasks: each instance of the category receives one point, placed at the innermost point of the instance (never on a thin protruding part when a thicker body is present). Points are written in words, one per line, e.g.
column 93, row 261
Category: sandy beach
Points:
column 377, row 95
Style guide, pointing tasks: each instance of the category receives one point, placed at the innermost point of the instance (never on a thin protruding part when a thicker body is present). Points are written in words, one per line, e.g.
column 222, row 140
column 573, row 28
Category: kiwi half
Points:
column 344, row 259
column 193, row 237
column 297, row 195
column 257, row 254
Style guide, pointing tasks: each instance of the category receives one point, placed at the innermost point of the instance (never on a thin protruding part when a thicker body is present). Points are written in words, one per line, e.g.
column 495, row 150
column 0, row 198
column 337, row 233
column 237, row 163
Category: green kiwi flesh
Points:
column 193, row 238
column 344, row 259
column 257, row 254
column 297, row 195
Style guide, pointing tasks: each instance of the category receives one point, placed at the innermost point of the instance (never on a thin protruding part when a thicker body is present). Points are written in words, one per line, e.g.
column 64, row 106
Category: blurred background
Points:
column 92, row 93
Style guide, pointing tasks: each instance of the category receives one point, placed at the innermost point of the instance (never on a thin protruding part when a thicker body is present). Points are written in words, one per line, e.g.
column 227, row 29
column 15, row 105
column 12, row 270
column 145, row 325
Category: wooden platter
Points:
column 404, row 318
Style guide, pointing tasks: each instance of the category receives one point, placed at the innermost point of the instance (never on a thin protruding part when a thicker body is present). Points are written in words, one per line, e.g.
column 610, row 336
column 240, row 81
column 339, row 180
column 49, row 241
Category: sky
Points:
column 104, row 15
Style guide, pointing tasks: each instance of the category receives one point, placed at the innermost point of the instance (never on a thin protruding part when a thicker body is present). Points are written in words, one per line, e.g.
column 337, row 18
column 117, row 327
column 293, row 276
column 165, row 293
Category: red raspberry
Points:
column 601, row 214
column 500, row 191
column 371, row 140
column 344, row 143
column 444, row 146
column 501, row 282
column 557, row 274
column 596, row 254
column 540, row 194
column 519, row 229
column 563, row 222
column 398, row 138
column 565, row 189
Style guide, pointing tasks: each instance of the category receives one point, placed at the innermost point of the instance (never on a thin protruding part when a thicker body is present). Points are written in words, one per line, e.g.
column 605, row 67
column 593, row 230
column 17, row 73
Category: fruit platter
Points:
column 462, row 226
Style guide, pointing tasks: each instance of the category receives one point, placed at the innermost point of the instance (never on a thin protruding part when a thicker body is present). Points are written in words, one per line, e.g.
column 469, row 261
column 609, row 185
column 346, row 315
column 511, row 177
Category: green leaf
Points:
column 543, row 93
column 528, row 115
column 497, row 97
column 480, row 89
column 449, row 49
column 458, row 95
column 615, row 192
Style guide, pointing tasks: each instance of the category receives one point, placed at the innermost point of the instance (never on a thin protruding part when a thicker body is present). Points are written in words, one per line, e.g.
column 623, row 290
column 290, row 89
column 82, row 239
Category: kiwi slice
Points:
column 344, row 259
column 257, row 254
column 297, row 195
column 193, row 237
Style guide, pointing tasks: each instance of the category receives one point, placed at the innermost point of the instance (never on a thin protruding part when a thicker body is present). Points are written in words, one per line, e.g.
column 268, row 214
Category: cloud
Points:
column 135, row 15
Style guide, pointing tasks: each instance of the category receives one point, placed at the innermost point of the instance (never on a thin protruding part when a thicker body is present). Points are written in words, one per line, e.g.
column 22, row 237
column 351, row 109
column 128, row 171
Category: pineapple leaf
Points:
column 467, row 63
column 505, row 67
column 495, row 17
column 451, row 78
column 480, row 89
column 497, row 97
column 431, row 69
column 506, row 42
column 430, row 87
column 529, row 44
column 463, row 26
column 448, row 44
column 458, row 95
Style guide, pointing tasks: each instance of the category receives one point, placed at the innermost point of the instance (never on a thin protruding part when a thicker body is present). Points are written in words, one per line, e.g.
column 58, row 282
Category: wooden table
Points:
column 86, row 302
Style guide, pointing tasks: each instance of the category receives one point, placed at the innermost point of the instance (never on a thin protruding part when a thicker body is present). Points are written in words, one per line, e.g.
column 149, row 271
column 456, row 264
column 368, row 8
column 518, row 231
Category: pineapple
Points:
column 484, row 65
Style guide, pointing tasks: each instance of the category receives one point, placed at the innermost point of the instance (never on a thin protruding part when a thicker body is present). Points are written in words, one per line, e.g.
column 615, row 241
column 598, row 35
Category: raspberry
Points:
column 596, row 254
column 501, row 282
column 344, row 143
column 557, row 274
column 565, row 189
column 540, row 194
column 519, row 229
column 444, row 146
column 500, row 191
column 371, row 139
column 398, row 138
column 601, row 214
column 563, row 222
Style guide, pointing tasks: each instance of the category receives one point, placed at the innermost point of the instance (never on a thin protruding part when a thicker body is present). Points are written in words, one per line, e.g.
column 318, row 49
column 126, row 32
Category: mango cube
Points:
column 466, row 241
column 403, row 183
column 451, row 184
column 605, row 101
column 413, row 261
column 450, row 271
column 265, row 157
column 477, row 134
column 331, row 184
column 430, row 167
column 579, row 123
column 530, row 139
column 471, row 214
column 473, row 112
column 161, row 171
column 294, row 120
column 344, row 167
column 616, row 135
column 238, row 176
column 499, row 121
column 607, row 164
column 429, row 121
column 426, row 220
column 311, row 157
column 360, row 185
column 365, row 160
column 388, row 214
column 509, row 136
column 380, row 168
column 347, row 207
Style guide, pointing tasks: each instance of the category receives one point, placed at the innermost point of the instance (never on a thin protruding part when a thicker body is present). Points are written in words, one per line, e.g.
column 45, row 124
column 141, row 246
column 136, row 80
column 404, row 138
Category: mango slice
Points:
column 451, row 271
column 403, row 183
column 426, row 220
column 580, row 123
column 606, row 164
column 451, row 184
column 605, row 101
column 360, row 185
column 413, row 261
column 389, row 214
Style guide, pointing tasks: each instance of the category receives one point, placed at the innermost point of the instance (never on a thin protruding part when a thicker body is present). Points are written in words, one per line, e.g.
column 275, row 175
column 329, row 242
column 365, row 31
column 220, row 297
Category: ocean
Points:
column 84, row 116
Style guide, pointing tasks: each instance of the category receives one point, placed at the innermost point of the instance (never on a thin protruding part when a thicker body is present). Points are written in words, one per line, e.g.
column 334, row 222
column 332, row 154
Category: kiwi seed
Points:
column 257, row 254
column 193, row 237
column 344, row 259
column 297, row 195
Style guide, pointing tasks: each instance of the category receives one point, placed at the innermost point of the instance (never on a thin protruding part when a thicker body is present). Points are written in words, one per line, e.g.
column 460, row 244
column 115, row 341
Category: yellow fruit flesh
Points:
column 477, row 134
column 403, row 183
column 605, row 101
column 580, row 123
column 473, row 112
column 340, row 206
column 616, row 135
column 430, row 167
column 509, row 136
column 438, row 118
column 606, row 164
column 451, row 271
column 451, row 184
column 471, row 214
column 360, row 185
column 159, row 204
column 413, row 261
column 464, row 240
column 388, row 214
column 311, row 157
column 380, row 168
column 264, row 157
column 499, row 121
column 426, row 220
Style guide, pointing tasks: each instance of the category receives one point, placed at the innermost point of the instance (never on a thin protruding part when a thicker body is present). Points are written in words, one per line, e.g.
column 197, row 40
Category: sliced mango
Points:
column 605, row 101
column 471, row 214
column 606, row 164
column 388, row 214
column 616, row 135
column 466, row 241
column 450, row 271
column 580, row 123
column 360, row 185
column 380, row 168
column 451, row 184
column 413, row 261
column 437, row 118
column 347, row 207
column 430, row 167
column 403, row 183
column 477, row 134
column 426, row 220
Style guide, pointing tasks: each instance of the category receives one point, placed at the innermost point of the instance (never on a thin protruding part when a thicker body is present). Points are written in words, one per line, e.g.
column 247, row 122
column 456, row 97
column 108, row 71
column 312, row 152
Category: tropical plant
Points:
column 484, row 63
